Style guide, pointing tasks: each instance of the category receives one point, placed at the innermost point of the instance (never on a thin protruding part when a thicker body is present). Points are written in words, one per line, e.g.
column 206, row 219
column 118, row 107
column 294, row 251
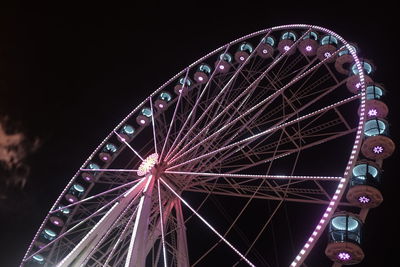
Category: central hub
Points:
column 147, row 164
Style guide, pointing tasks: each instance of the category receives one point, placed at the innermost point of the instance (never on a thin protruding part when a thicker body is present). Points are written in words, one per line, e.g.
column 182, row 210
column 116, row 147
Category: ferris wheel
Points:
column 243, row 158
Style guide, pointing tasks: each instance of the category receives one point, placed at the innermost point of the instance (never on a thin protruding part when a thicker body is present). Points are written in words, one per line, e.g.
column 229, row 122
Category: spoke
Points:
column 266, row 100
column 77, row 225
column 162, row 224
column 196, row 103
column 291, row 151
column 97, row 195
column 278, row 177
column 239, row 97
column 172, row 121
column 128, row 145
column 262, row 230
column 153, row 125
column 207, row 224
column 108, row 170
column 254, row 137
column 248, row 193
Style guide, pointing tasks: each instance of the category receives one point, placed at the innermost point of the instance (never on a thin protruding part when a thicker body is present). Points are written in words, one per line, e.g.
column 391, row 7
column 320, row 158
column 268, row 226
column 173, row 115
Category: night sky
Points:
column 69, row 74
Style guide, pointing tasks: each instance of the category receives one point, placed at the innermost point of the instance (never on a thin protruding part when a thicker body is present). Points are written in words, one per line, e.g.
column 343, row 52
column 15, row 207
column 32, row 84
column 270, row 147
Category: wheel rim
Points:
column 214, row 140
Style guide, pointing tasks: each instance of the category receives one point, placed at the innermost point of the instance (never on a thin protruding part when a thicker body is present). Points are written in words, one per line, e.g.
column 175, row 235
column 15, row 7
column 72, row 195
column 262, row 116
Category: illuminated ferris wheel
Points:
column 245, row 157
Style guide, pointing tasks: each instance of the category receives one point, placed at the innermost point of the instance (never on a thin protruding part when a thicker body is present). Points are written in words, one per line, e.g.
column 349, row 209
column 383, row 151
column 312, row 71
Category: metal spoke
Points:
column 196, row 103
column 269, row 99
column 207, row 224
column 153, row 125
column 128, row 145
column 172, row 120
column 97, row 195
column 94, row 236
column 224, row 88
column 278, row 177
column 107, row 170
column 74, row 227
column 252, row 138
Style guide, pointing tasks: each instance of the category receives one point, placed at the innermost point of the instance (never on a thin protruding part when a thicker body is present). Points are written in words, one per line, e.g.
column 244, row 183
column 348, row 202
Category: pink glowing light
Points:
column 56, row 222
column 372, row 112
column 160, row 105
column 87, row 177
column 344, row 256
column 147, row 164
column 221, row 67
column 358, row 85
column 241, row 58
column 142, row 121
column 71, row 199
column 200, row 78
column 364, row 199
column 105, row 158
column 265, row 51
column 308, row 48
column 327, row 54
column 377, row 149
column 286, row 48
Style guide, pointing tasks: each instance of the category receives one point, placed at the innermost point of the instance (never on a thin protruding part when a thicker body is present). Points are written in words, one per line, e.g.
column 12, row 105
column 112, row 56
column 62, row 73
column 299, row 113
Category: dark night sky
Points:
column 69, row 74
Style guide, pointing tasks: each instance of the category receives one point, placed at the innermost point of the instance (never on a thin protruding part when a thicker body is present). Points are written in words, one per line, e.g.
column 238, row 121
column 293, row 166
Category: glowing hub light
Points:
column 286, row 48
column 147, row 164
column 364, row 199
column 308, row 48
column 377, row 149
column 142, row 121
column 358, row 85
column 221, row 67
column 160, row 105
column 200, row 79
column 265, row 51
column 241, row 58
column 372, row 112
column 344, row 256
column 327, row 54
column 105, row 158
